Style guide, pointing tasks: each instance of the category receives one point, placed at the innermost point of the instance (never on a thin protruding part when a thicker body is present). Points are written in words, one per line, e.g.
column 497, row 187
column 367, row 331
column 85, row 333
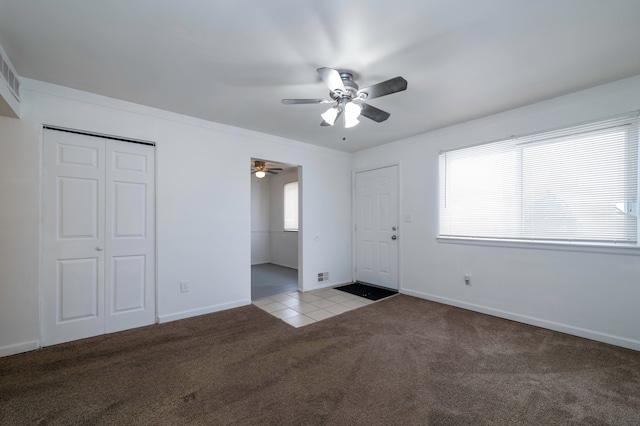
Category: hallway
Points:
column 268, row 279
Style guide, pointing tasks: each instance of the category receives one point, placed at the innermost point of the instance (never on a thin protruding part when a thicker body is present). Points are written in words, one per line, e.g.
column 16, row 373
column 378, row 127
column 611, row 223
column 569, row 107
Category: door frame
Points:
column 41, row 230
column 299, row 168
column 354, row 245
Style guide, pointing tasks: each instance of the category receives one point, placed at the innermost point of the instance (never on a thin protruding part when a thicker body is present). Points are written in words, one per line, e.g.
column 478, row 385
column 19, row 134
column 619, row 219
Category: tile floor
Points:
column 300, row 309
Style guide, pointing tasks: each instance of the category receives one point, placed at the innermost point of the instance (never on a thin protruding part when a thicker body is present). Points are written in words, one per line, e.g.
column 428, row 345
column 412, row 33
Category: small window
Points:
column 291, row 206
column 578, row 184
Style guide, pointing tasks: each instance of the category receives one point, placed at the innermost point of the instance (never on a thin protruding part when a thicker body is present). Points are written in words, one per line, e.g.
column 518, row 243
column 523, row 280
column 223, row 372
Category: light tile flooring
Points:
column 300, row 309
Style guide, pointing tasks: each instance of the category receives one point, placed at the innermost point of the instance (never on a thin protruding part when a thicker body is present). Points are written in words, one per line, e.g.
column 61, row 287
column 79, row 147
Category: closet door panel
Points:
column 74, row 240
column 130, row 233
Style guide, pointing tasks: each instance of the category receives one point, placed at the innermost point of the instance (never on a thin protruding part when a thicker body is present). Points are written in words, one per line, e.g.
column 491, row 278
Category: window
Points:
column 291, row 206
column 572, row 185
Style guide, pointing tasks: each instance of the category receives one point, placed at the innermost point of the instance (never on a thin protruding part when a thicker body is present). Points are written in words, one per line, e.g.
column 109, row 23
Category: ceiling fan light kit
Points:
column 349, row 98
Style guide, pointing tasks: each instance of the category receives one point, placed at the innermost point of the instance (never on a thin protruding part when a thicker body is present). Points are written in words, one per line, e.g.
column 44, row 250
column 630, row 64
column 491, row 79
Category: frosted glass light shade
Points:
column 351, row 114
column 330, row 115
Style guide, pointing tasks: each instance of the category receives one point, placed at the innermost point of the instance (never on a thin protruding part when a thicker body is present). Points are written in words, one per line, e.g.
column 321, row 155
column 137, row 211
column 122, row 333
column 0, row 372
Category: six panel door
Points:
column 130, row 236
column 377, row 227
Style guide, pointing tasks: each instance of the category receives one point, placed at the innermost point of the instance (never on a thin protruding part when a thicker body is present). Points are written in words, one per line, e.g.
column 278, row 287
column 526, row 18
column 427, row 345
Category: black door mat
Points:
column 367, row 291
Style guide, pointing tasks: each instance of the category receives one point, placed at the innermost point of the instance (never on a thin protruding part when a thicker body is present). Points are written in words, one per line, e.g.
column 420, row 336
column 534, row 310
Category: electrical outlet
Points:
column 184, row 286
column 467, row 279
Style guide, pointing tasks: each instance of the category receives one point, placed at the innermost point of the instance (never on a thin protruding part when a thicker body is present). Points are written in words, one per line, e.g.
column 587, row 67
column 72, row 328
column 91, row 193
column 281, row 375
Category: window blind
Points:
column 575, row 184
column 291, row 206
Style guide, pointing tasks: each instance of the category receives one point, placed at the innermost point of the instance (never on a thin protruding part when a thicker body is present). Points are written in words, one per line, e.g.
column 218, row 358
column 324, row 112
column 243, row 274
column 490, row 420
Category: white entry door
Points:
column 99, row 236
column 377, row 227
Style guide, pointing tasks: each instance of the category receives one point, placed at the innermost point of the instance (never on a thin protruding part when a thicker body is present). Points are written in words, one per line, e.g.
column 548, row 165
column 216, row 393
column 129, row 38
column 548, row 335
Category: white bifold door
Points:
column 377, row 227
column 99, row 236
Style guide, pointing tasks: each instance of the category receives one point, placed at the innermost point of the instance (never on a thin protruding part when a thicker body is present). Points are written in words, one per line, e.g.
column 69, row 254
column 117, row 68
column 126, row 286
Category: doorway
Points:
column 98, row 236
column 376, row 205
column 275, row 228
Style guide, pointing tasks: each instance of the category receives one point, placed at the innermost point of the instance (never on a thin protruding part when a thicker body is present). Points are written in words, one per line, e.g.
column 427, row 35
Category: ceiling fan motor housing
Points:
column 349, row 85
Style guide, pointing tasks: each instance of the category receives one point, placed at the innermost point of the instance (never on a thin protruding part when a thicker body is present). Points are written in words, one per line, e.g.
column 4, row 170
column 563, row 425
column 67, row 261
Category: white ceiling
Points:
column 231, row 61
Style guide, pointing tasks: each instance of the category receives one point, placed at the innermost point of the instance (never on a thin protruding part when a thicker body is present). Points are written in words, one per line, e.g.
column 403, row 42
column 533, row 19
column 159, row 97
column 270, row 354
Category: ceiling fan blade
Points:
column 276, row 168
column 332, row 78
column 374, row 113
column 305, row 101
column 271, row 172
column 388, row 87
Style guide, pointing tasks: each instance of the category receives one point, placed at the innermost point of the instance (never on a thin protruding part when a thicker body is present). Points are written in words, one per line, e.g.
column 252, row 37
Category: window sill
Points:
column 290, row 230
column 604, row 248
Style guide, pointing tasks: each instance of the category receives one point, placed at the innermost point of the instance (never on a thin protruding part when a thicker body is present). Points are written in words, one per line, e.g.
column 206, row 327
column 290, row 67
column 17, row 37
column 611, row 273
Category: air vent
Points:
column 9, row 75
column 323, row 276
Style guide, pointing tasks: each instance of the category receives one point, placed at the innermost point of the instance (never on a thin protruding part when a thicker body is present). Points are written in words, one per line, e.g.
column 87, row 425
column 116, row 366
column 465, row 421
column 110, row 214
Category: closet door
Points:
column 74, row 240
column 99, row 236
column 130, row 236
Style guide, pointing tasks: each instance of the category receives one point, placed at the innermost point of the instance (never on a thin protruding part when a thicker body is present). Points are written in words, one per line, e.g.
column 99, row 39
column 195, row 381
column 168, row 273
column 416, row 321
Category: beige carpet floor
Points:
column 400, row 361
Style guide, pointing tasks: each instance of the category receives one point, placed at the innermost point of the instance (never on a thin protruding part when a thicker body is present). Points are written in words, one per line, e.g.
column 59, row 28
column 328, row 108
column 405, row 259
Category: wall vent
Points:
column 9, row 75
column 323, row 276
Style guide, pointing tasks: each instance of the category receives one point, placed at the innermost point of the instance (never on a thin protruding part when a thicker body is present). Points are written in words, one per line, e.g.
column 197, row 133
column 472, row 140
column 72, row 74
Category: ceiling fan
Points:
column 349, row 98
column 260, row 169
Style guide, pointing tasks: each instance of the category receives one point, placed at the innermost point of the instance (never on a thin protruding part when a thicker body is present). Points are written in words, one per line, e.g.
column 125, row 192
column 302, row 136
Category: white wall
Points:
column 203, row 203
column 260, row 220
column 589, row 294
column 283, row 245
column 19, row 235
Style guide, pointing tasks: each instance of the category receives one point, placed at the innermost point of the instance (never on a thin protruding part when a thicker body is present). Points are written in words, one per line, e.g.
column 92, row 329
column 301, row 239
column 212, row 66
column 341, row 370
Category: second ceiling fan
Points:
column 349, row 98
column 260, row 169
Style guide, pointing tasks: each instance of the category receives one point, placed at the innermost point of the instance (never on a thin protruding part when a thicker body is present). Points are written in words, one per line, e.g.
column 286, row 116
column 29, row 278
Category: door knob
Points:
column 99, row 248
column 393, row 237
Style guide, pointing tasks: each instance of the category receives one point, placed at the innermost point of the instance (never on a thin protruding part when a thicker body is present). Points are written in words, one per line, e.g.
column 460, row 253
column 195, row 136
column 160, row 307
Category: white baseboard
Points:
column 282, row 264
column 19, row 348
column 327, row 285
column 274, row 263
column 202, row 311
column 551, row 325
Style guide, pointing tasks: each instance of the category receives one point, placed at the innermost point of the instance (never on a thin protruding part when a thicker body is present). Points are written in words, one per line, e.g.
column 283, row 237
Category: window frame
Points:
column 608, row 247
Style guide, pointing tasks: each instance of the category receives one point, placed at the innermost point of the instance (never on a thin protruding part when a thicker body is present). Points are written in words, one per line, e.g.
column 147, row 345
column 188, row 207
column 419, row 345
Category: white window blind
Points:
column 576, row 184
column 291, row 206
